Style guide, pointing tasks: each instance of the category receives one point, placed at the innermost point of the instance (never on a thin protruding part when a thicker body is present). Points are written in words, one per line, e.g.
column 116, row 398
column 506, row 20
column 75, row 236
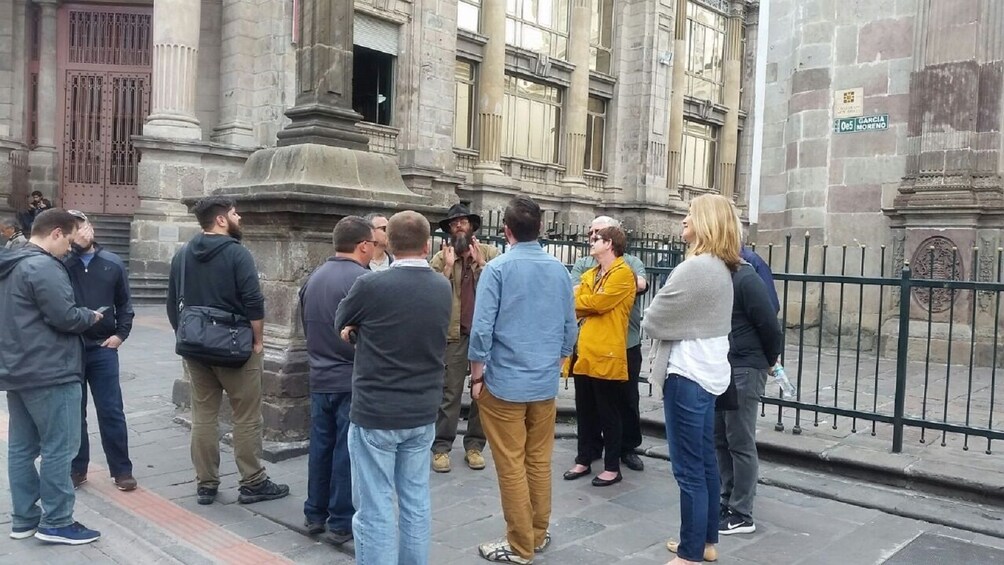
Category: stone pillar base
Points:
column 44, row 173
column 290, row 199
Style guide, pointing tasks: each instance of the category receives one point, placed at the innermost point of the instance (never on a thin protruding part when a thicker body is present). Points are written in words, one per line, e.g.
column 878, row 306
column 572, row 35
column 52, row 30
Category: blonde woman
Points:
column 689, row 322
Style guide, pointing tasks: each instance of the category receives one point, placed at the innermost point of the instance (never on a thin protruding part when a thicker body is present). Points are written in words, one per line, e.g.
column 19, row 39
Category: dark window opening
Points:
column 372, row 85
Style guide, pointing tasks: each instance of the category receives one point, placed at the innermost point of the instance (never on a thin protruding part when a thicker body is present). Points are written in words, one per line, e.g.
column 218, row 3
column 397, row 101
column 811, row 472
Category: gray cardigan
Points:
column 695, row 303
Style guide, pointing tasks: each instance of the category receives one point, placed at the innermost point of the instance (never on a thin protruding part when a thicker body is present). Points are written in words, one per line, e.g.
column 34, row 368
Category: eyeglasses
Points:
column 596, row 238
column 368, row 241
column 77, row 214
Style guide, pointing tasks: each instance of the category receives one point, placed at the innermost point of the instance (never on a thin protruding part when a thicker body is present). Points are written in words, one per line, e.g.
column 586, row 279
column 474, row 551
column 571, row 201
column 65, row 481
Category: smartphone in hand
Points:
column 102, row 310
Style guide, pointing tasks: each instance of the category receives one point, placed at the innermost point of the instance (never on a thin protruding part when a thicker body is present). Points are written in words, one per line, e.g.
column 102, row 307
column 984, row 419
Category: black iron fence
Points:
column 872, row 343
column 843, row 327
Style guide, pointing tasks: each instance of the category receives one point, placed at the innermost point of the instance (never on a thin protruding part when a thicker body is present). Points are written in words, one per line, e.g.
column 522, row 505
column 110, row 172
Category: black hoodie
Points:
column 219, row 272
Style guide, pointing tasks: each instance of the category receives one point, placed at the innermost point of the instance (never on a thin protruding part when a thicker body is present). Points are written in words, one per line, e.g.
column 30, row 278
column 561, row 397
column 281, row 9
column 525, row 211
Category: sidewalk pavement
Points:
column 627, row 523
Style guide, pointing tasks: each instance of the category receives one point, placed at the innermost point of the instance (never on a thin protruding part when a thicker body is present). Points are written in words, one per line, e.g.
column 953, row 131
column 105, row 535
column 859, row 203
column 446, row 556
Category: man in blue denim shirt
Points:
column 523, row 329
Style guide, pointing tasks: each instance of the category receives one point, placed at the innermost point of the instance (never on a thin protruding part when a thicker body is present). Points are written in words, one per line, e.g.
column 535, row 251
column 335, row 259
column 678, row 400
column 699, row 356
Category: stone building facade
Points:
column 883, row 126
column 307, row 110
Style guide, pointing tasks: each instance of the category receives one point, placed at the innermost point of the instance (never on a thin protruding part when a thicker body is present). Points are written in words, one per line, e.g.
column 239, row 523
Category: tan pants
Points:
column 243, row 387
column 522, row 440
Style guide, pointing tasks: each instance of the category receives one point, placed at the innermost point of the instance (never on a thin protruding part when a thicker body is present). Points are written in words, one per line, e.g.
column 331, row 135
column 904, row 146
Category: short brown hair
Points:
column 349, row 232
column 407, row 233
column 616, row 237
column 52, row 219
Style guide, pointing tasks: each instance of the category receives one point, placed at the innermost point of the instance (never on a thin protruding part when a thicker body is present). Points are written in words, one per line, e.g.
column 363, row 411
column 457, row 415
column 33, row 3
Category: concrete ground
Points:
column 802, row 515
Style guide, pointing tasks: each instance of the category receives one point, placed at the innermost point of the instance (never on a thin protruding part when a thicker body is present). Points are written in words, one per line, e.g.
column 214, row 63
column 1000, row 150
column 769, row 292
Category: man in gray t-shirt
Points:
column 631, row 426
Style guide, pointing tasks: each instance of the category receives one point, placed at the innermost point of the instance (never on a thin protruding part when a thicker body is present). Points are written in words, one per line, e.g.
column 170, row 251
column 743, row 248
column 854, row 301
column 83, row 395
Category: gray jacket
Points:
column 41, row 346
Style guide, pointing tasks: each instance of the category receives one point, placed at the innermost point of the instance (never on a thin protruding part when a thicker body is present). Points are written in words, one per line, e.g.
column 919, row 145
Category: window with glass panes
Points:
column 705, row 52
column 532, row 114
column 469, row 15
column 463, row 115
column 700, row 150
column 600, row 36
column 596, row 121
column 540, row 26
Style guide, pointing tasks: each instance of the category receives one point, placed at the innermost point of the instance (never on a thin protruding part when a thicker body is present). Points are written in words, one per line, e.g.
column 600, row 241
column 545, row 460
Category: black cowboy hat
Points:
column 460, row 211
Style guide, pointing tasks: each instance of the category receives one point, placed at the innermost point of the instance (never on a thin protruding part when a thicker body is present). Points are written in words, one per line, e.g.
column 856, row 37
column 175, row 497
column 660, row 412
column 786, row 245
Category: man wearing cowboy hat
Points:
column 461, row 261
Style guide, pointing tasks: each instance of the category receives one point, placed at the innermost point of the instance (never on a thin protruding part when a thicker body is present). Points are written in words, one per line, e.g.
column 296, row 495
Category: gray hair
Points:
column 9, row 222
column 606, row 221
column 374, row 215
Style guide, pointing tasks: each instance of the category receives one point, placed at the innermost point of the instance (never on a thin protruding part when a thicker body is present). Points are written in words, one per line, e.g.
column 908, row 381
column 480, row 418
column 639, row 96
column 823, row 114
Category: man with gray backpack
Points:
column 216, row 307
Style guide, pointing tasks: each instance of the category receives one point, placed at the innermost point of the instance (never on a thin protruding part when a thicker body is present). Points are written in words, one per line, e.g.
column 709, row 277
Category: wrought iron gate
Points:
column 106, row 57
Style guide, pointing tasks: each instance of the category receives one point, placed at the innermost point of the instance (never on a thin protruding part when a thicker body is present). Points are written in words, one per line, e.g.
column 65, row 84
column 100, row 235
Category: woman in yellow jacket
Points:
column 603, row 303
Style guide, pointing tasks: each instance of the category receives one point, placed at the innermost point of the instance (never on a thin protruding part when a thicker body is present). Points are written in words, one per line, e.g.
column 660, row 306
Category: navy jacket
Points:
column 40, row 345
column 763, row 270
column 104, row 282
column 330, row 357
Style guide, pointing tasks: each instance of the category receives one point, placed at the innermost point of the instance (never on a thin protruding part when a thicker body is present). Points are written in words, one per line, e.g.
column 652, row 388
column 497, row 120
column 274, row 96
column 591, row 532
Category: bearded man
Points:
column 460, row 261
column 220, row 272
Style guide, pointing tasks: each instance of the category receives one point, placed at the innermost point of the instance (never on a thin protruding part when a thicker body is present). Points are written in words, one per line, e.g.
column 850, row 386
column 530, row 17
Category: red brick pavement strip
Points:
column 215, row 542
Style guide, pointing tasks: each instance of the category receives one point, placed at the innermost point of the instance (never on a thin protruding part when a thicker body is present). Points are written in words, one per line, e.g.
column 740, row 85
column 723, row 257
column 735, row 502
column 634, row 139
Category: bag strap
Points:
column 181, row 285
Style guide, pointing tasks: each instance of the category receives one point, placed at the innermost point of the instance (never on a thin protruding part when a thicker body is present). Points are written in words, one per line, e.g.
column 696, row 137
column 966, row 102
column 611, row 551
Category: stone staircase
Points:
column 114, row 233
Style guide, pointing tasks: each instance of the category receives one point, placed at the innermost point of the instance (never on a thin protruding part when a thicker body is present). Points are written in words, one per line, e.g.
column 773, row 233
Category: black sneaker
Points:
column 207, row 495
column 313, row 528
column 78, row 479
column 735, row 524
column 338, row 537
column 265, row 490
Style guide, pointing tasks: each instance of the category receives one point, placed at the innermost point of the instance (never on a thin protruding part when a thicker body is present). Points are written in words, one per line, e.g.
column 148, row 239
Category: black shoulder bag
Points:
column 210, row 335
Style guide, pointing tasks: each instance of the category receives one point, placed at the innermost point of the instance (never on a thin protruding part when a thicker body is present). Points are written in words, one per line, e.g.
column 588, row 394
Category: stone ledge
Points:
column 271, row 451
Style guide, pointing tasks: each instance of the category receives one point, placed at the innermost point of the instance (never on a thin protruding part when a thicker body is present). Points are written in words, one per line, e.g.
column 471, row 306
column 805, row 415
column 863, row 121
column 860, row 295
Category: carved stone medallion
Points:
column 936, row 258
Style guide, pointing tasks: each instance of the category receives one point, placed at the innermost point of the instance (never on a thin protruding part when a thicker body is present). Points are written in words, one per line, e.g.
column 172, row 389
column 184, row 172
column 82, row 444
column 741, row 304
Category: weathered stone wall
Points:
column 207, row 90
column 814, row 180
column 7, row 63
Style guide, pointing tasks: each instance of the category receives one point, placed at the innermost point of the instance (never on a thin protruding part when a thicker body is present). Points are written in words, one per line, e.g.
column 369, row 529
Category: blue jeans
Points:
column 329, row 476
column 43, row 421
column 101, row 371
column 386, row 463
column 690, row 429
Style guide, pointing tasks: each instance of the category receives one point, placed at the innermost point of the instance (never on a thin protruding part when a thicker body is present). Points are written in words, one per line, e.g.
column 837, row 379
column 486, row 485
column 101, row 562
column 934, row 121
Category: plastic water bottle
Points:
column 781, row 379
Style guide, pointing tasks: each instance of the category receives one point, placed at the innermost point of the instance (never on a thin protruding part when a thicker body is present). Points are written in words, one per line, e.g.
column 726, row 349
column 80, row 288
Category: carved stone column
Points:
column 291, row 196
column 676, row 99
column 323, row 112
column 236, row 74
column 578, row 95
column 175, row 72
column 733, row 79
column 491, row 95
column 42, row 159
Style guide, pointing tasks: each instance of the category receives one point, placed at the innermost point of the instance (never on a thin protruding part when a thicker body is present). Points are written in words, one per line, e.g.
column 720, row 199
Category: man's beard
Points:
column 79, row 248
column 234, row 230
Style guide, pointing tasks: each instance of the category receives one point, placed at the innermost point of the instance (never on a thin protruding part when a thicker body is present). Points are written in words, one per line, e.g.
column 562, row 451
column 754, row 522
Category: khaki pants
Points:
column 243, row 387
column 449, row 409
column 522, row 440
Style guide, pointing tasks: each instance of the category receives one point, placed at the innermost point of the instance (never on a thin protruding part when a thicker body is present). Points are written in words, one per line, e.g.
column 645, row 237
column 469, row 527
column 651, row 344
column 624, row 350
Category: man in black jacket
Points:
column 221, row 273
column 100, row 280
column 754, row 346
column 41, row 370
column 329, row 474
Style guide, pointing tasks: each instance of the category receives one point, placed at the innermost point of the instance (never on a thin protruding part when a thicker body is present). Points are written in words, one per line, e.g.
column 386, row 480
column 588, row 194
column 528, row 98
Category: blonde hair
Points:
column 713, row 219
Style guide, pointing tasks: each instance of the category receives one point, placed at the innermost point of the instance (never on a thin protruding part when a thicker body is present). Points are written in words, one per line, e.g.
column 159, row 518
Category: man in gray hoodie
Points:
column 41, row 370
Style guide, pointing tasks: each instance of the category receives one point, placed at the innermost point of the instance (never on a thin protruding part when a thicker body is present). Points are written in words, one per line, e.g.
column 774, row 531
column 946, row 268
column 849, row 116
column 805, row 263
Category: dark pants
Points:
column 735, row 443
column 690, row 429
column 599, row 407
column 457, row 368
column 101, row 372
column 631, row 422
column 329, row 472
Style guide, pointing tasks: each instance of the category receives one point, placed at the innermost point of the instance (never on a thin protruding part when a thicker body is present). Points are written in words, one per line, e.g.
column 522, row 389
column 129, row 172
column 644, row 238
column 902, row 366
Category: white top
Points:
column 377, row 266
column 704, row 361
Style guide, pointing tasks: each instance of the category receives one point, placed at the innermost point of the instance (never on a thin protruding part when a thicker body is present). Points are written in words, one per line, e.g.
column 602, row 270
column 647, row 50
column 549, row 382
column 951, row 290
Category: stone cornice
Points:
column 192, row 146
